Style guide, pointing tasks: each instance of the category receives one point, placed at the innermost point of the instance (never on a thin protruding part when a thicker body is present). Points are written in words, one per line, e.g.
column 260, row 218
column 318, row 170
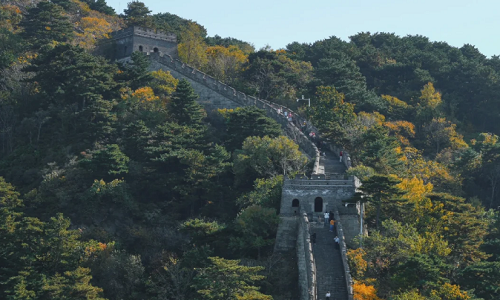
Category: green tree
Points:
column 100, row 6
column 462, row 224
column 262, row 157
column 379, row 151
column 202, row 232
column 40, row 260
column 483, row 277
column 379, row 190
column 137, row 13
column 46, row 23
column 255, row 229
column 331, row 114
column 341, row 72
column 274, row 76
column 137, row 73
column 266, row 193
column 183, row 107
column 244, row 122
column 68, row 75
column 488, row 145
column 226, row 279
column 107, row 163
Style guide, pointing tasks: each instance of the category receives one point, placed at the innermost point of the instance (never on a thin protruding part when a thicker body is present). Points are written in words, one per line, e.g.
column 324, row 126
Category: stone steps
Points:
column 329, row 269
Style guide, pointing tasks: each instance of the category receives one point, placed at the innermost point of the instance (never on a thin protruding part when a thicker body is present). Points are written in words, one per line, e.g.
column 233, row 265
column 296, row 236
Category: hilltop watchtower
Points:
column 143, row 39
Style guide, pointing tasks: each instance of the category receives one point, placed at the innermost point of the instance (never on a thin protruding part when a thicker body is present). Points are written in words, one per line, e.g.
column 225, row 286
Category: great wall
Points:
column 322, row 266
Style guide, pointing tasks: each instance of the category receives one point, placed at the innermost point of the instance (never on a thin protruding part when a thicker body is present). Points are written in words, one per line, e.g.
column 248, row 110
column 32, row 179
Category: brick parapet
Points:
column 305, row 257
column 343, row 254
column 144, row 32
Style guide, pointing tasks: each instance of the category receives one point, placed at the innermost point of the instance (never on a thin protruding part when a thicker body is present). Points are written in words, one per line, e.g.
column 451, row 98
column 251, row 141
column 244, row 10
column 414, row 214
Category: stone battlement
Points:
column 144, row 32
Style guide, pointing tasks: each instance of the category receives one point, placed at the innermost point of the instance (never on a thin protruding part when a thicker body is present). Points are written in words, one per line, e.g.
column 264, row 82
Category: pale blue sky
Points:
column 278, row 23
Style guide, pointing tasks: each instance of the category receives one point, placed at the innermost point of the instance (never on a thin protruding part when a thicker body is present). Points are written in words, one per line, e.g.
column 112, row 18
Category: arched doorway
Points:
column 155, row 49
column 295, row 203
column 140, row 48
column 318, row 204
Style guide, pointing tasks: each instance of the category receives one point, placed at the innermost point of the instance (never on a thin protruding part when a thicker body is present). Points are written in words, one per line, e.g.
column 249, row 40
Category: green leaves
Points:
column 225, row 279
column 262, row 157
column 330, row 113
column 255, row 229
column 46, row 23
column 107, row 163
column 244, row 122
column 40, row 260
column 183, row 107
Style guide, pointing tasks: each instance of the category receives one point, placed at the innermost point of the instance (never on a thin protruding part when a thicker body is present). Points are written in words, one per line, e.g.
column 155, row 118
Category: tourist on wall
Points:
column 327, row 218
column 341, row 154
column 332, row 225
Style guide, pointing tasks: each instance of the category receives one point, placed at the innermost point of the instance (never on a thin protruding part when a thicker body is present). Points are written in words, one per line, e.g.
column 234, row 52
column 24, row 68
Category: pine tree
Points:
column 379, row 189
column 46, row 23
column 184, row 108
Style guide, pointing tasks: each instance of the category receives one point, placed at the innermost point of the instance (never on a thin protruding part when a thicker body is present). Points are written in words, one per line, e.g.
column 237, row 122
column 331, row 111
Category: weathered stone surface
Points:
column 329, row 267
column 142, row 39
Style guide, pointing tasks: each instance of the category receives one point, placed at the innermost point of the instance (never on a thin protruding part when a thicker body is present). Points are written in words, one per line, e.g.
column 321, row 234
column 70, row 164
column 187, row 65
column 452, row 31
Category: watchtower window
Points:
column 295, row 203
column 318, row 204
column 155, row 49
column 140, row 48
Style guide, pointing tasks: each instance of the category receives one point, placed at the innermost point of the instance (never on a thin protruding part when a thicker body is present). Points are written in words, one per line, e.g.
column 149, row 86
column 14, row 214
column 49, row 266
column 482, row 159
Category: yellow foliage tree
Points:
column 429, row 171
column 192, row 46
column 164, row 83
column 142, row 98
column 450, row 292
column 402, row 130
column 357, row 263
column 225, row 63
column 428, row 105
column 364, row 292
column 442, row 133
column 94, row 29
column 398, row 109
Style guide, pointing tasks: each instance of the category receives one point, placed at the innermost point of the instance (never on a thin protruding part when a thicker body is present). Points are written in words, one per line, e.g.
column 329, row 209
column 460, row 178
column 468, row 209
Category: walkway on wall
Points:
column 331, row 164
column 329, row 270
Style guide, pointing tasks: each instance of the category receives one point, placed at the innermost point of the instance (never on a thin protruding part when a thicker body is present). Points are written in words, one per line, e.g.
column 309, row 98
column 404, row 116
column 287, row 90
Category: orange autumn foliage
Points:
column 364, row 292
column 93, row 29
column 145, row 94
column 402, row 130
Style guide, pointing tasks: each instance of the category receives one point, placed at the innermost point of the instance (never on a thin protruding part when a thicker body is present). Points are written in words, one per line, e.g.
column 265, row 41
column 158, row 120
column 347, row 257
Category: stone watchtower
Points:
column 144, row 40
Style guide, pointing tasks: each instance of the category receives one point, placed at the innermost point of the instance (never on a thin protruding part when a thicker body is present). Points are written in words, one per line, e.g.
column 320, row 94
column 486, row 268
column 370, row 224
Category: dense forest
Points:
column 116, row 184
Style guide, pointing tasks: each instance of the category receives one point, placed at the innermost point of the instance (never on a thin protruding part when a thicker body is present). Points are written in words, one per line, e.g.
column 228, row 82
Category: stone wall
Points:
column 305, row 192
column 286, row 236
column 144, row 40
column 305, row 258
column 215, row 94
column 343, row 254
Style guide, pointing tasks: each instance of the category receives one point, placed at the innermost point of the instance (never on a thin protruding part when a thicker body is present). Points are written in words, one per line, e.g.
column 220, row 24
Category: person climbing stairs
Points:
column 329, row 270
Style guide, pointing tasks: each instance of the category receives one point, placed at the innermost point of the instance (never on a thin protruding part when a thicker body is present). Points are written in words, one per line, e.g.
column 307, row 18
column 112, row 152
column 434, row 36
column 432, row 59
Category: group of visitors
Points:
column 329, row 219
column 288, row 115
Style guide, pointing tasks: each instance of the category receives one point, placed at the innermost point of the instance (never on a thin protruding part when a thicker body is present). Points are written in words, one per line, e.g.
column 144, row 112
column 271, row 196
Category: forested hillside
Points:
column 116, row 184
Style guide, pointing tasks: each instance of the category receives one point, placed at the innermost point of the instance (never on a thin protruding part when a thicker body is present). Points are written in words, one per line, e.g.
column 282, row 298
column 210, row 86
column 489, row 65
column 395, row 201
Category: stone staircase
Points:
column 330, row 163
column 329, row 270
